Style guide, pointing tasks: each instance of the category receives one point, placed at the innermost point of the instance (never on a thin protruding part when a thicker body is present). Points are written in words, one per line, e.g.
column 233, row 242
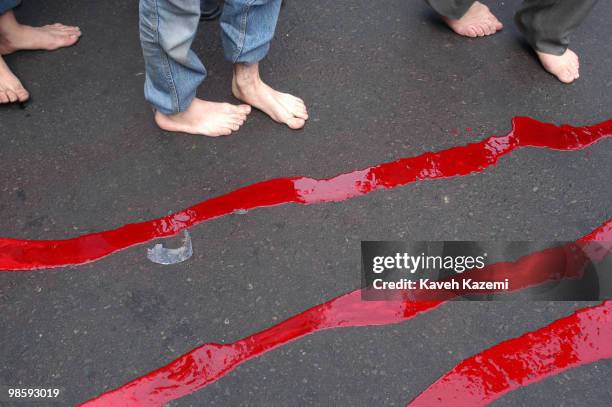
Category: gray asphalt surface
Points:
column 382, row 80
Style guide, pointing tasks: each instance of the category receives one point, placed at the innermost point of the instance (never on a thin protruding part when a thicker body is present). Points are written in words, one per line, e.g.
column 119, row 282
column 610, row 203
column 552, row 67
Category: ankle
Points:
column 13, row 38
column 246, row 76
column 9, row 26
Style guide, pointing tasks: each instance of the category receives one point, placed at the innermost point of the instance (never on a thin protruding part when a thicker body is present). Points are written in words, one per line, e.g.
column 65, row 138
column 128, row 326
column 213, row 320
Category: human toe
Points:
column 471, row 31
column 295, row 123
column 12, row 96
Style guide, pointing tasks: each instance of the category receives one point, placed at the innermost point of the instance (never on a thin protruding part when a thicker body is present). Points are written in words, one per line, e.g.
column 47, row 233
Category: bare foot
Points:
column 565, row 67
column 11, row 89
column 15, row 36
column 281, row 107
column 478, row 21
column 205, row 118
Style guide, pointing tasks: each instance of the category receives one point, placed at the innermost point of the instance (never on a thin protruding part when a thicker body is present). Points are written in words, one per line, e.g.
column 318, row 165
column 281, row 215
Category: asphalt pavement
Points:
column 382, row 80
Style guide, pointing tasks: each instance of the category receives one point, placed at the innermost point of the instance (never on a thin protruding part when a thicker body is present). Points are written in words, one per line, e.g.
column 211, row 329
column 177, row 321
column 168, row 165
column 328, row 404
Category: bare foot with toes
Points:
column 478, row 21
column 15, row 36
column 205, row 118
column 281, row 107
column 565, row 67
column 11, row 89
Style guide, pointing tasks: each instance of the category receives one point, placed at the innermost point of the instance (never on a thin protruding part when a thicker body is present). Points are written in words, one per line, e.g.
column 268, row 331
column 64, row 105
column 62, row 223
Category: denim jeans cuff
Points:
column 168, row 109
column 251, row 57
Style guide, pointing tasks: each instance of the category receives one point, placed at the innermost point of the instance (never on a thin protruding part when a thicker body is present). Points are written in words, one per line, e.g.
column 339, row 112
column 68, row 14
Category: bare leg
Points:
column 281, row 107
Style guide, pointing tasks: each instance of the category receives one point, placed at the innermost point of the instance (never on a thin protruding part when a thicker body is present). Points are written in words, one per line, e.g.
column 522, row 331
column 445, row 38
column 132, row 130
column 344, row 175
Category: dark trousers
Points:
column 546, row 24
column 6, row 5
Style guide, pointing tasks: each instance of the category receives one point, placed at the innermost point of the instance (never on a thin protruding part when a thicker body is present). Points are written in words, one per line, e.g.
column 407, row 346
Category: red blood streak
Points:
column 568, row 261
column 209, row 362
column 582, row 338
column 457, row 161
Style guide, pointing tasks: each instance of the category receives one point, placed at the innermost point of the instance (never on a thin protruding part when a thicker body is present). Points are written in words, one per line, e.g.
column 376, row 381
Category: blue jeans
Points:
column 167, row 30
column 6, row 5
